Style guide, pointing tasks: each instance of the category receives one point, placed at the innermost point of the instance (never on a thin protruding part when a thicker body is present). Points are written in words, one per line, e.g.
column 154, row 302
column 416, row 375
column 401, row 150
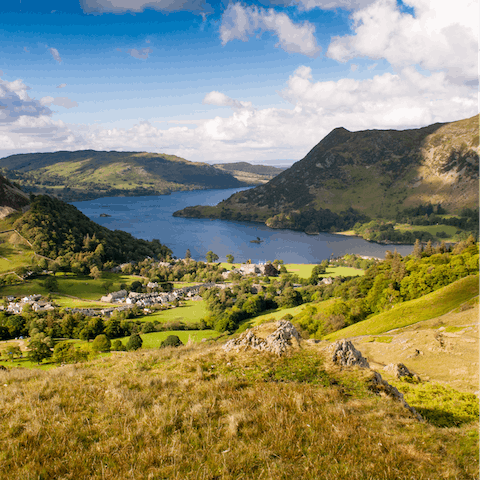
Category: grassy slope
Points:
column 200, row 413
column 429, row 306
column 448, row 345
column 191, row 312
column 153, row 340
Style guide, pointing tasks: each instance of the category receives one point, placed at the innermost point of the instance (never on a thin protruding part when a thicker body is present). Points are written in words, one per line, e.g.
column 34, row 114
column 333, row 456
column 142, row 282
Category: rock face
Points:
column 399, row 370
column 346, row 355
column 278, row 342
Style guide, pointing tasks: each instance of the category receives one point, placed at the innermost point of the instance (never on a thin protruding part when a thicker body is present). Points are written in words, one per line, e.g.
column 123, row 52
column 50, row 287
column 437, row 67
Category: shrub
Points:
column 134, row 342
column 171, row 341
column 118, row 346
column 101, row 343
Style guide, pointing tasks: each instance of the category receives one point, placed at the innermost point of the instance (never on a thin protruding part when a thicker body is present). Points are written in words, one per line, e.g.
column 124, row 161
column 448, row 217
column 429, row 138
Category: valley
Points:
column 220, row 336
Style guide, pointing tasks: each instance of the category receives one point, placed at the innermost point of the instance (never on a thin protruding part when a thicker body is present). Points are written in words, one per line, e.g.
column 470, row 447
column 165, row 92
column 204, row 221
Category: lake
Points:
column 150, row 217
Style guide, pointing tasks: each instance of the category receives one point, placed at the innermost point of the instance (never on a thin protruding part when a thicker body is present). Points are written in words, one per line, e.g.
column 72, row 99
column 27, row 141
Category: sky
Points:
column 227, row 81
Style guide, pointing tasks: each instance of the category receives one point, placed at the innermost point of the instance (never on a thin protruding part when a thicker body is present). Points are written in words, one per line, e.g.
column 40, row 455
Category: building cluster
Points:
column 16, row 305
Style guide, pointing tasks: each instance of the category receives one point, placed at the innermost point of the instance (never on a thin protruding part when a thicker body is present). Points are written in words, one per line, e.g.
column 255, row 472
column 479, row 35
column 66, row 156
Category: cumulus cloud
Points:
column 55, row 54
column 221, row 100
column 437, row 38
column 62, row 85
column 97, row 7
column 141, row 54
column 15, row 102
column 60, row 101
column 240, row 22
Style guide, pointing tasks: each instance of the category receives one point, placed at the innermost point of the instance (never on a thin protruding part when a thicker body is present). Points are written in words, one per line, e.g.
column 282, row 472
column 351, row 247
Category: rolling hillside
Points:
column 374, row 173
column 90, row 174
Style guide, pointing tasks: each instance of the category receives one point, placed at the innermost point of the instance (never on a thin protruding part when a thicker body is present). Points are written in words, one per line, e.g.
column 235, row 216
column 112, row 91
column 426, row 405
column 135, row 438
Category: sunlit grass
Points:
column 429, row 306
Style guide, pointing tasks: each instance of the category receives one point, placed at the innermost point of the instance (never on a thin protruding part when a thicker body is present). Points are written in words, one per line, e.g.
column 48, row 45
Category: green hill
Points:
column 90, row 174
column 349, row 176
column 429, row 306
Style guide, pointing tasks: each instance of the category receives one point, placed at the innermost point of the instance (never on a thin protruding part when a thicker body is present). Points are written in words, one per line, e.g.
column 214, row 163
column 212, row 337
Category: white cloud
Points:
column 353, row 67
column 121, row 6
column 221, row 100
column 60, row 101
column 239, row 22
column 141, row 54
column 439, row 37
column 331, row 4
column 15, row 102
column 55, row 54
column 62, row 85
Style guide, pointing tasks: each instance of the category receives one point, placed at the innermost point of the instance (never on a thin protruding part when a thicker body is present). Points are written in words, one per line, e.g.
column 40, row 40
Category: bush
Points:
column 171, row 341
column 118, row 346
column 101, row 343
column 134, row 342
column 65, row 352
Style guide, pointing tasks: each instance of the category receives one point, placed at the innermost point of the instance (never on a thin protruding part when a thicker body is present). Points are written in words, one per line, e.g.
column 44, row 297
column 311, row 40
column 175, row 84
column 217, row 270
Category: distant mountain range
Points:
column 250, row 174
column 91, row 174
column 372, row 173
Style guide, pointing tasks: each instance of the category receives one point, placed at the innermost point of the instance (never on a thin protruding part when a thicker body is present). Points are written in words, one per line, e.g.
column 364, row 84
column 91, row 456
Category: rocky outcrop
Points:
column 345, row 354
column 399, row 370
column 278, row 342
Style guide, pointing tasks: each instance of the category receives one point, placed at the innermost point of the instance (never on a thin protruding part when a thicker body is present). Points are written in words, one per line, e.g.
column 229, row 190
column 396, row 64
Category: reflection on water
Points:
column 151, row 217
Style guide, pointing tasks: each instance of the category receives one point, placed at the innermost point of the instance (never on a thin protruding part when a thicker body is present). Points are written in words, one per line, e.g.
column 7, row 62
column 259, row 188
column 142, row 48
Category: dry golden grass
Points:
column 199, row 413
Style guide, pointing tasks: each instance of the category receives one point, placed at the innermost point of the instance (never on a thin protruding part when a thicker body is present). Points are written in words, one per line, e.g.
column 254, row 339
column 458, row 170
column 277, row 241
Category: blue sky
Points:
column 229, row 81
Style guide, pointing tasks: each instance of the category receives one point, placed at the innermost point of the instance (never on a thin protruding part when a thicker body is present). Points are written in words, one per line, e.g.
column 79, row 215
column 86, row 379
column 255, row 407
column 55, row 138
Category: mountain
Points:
column 372, row 173
column 11, row 197
column 248, row 173
column 90, row 174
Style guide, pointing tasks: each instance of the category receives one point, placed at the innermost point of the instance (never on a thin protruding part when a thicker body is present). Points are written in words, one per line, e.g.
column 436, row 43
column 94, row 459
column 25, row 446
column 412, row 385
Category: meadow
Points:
column 198, row 412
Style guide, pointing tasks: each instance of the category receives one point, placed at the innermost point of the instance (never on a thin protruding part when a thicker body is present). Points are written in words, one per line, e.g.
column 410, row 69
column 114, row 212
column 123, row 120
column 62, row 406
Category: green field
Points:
column 153, row 340
column 280, row 313
column 433, row 229
column 14, row 252
column 191, row 312
column 80, row 286
column 304, row 270
column 429, row 306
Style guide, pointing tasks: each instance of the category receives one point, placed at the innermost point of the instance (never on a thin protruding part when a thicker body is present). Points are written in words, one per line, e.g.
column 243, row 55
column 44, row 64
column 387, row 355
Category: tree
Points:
column 101, row 343
column 188, row 254
column 107, row 285
column 134, row 342
column 211, row 257
column 12, row 350
column 66, row 352
column 39, row 348
column 95, row 272
column 171, row 341
column 230, row 258
column 51, row 284
column 417, row 249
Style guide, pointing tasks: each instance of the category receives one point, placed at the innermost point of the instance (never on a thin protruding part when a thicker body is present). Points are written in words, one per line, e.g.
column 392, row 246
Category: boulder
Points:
column 278, row 342
column 399, row 370
column 346, row 355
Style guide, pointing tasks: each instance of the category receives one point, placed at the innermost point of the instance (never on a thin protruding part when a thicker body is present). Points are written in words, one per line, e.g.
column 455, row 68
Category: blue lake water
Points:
column 151, row 217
